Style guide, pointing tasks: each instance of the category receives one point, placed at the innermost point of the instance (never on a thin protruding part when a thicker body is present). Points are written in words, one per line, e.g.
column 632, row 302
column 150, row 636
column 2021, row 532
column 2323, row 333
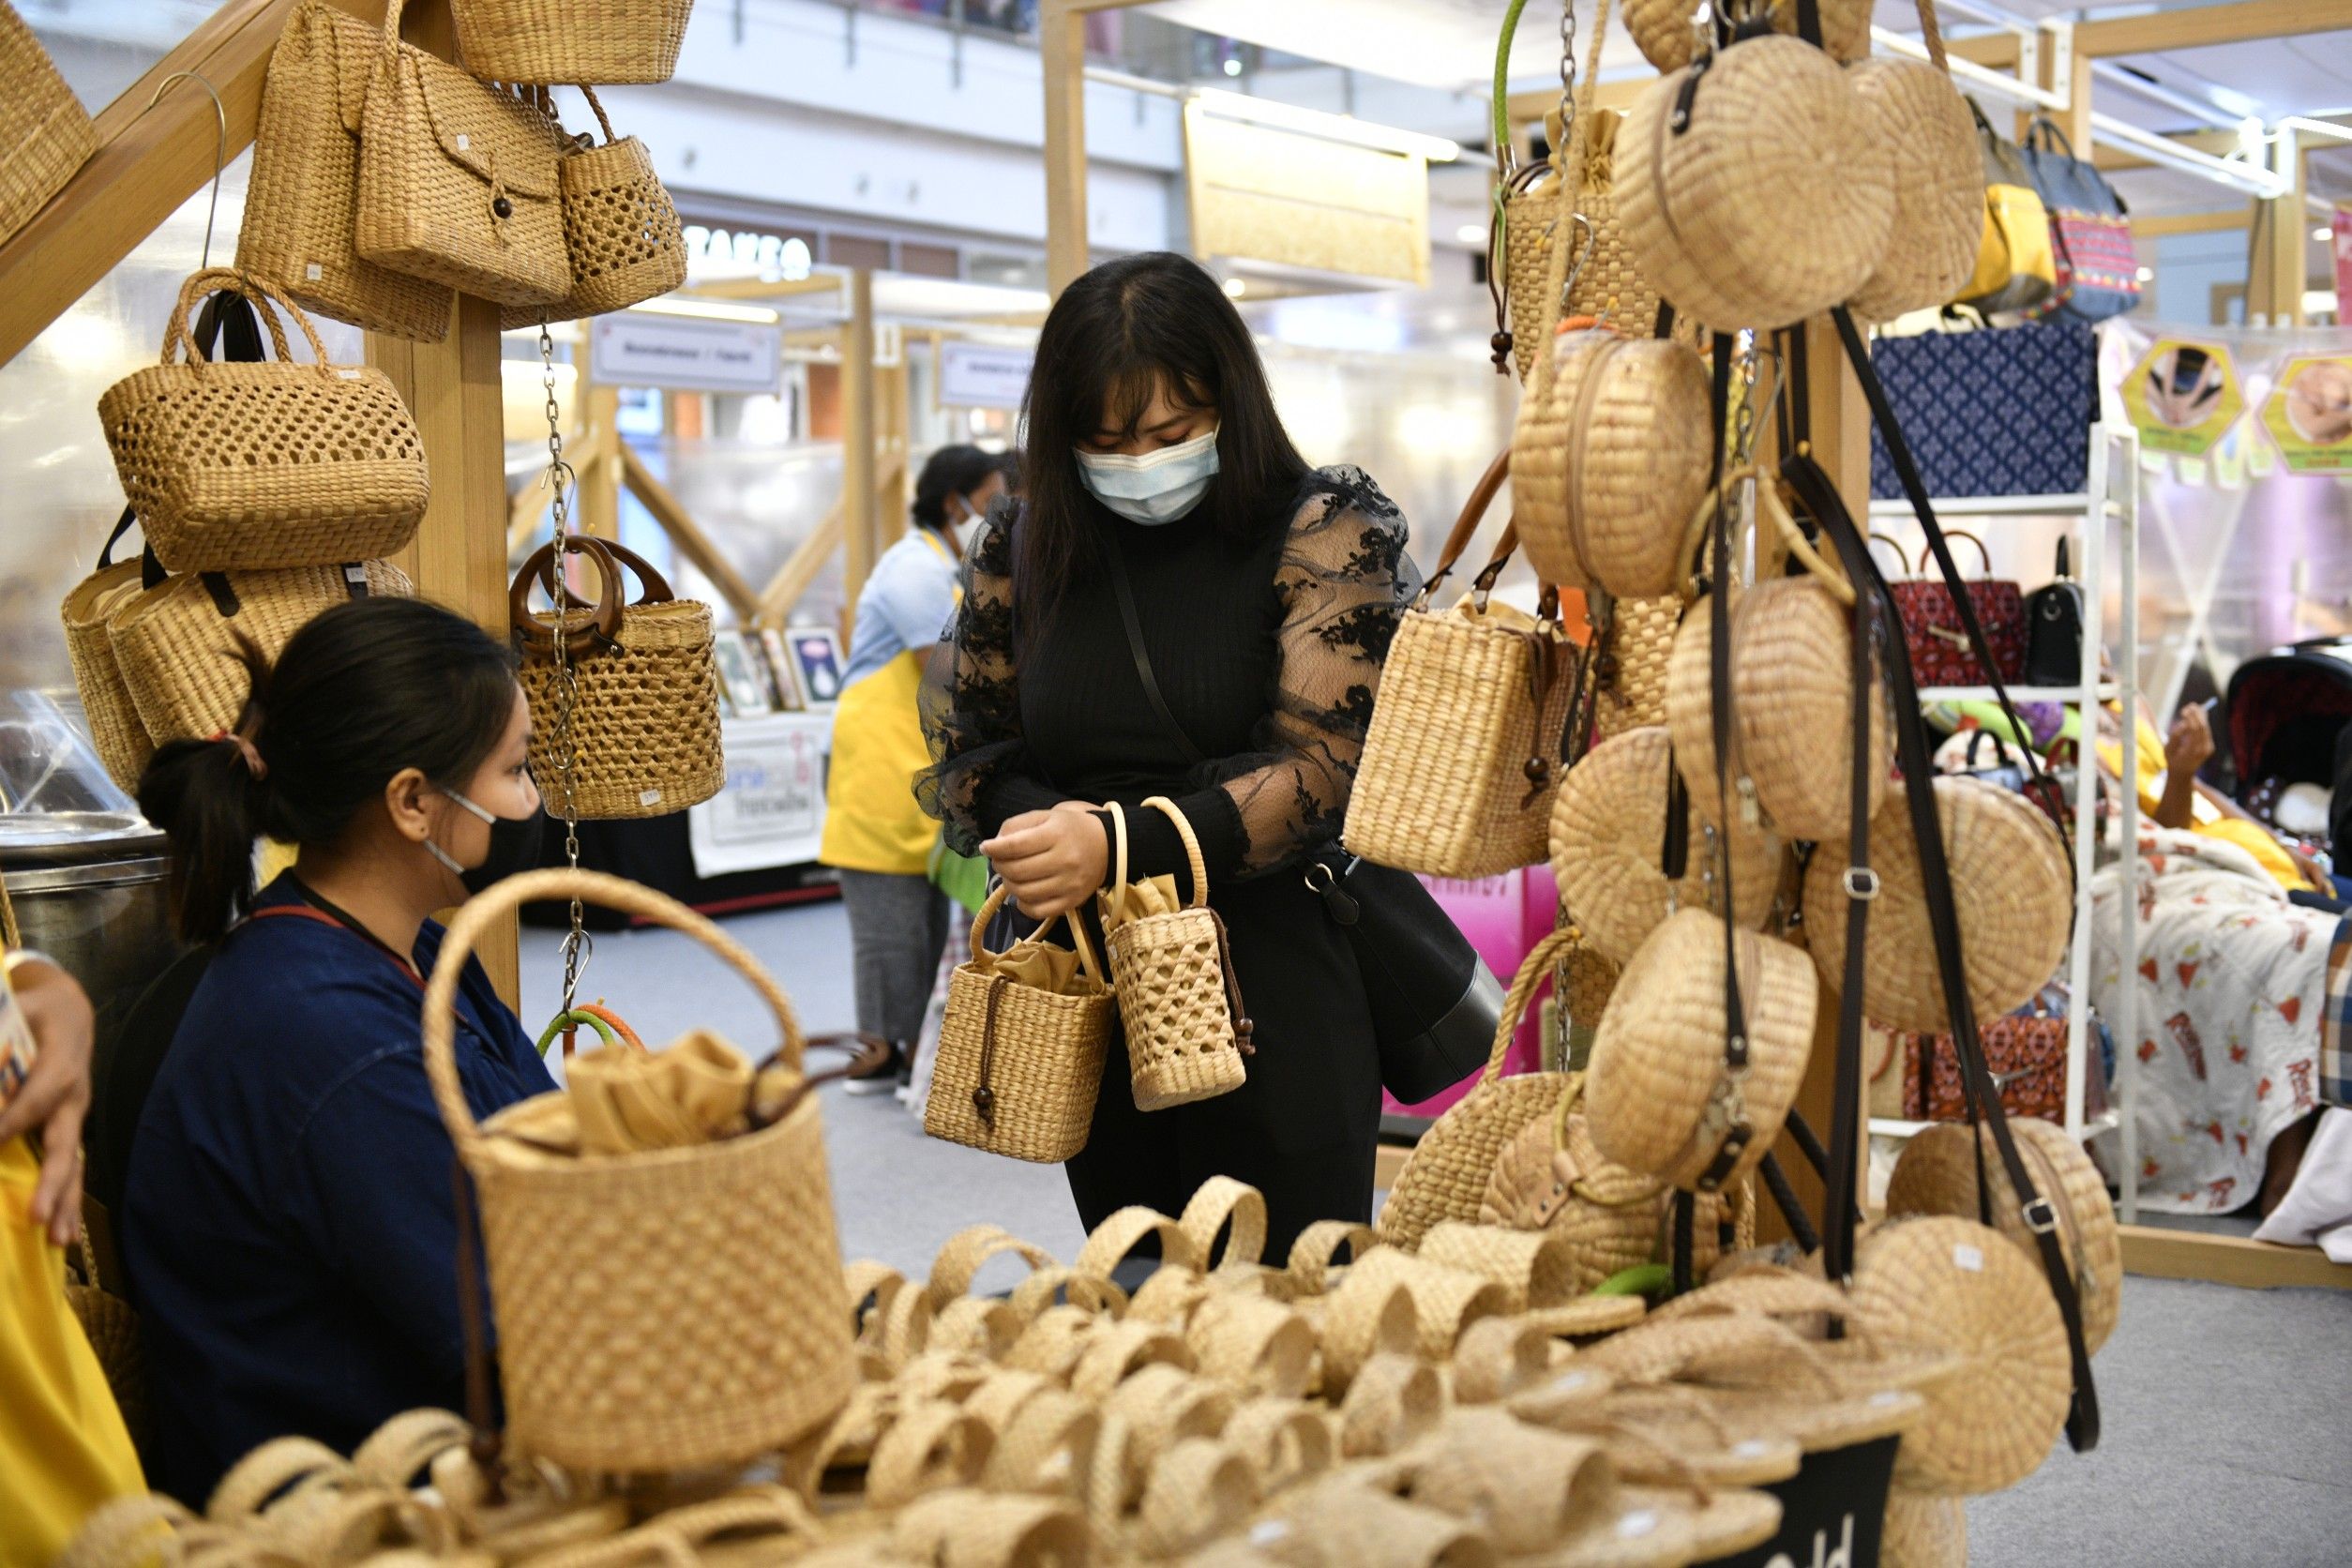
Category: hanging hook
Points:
column 219, row 148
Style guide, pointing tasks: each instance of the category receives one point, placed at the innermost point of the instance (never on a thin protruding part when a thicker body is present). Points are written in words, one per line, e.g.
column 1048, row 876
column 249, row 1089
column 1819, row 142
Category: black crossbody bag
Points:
column 1434, row 1002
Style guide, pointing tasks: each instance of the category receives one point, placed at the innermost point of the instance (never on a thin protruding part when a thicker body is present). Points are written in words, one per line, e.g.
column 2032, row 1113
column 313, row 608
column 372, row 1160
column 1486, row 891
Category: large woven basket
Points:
column 2009, row 882
column 1019, row 1066
column 621, row 230
column 176, row 643
column 1712, row 169
column 45, row 133
column 1954, row 1287
column 303, row 205
column 646, row 724
column 1939, row 187
column 1174, row 975
column 1658, row 1093
column 552, row 42
column 121, row 739
column 719, row 1329
column 1629, row 668
column 238, row 466
column 1607, row 830
column 1446, row 1175
column 1462, row 758
column 1608, row 461
column 1936, row 1173
column 1792, row 709
column 1669, row 37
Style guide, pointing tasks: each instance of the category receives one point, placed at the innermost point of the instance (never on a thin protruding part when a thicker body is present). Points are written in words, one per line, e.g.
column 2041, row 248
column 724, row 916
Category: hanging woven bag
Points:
column 1186, row 1028
column 45, row 133
column 644, row 725
column 302, row 203
column 1629, row 663
column 235, row 466
column 1938, row 180
column 1671, row 33
column 1664, row 1094
column 178, row 641
column 548, row 42
column 457, row 180
column 1609, row 460
column 659, row 1378
column 1754, row 190
column 1021, row 1045
column 1462, row 757
column 120, row 738
column 621, row 230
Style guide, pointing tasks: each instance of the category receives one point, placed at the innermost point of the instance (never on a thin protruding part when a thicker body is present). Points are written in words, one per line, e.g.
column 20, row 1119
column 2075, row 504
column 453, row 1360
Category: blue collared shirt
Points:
column 290, row 1222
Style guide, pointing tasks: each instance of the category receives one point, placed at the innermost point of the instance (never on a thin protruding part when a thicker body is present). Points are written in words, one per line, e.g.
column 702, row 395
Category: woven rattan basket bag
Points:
column 1629, row 670
column 554, row 41
column 45, row 133
column 1186, row 1028
column 1712, row 164
column 1462, row 758
column 1661, row 1095
column 2009, row 878
column 646, row 724
column 1938, row 180
column 1609, row 459
column 303, row 205
column 621, row 230
column 121, row 739
column 234, row 466
column 457, row 180
column 720, row 1328
column 1670, row 37
column 176, row 643
column 1018, row 1064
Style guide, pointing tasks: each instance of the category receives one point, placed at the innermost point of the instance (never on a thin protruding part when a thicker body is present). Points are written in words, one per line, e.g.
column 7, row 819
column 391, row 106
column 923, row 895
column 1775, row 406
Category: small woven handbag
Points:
column 644, row 724
column 1460, row 764
column 1020, row 1061
column 1187, row 1032
column 302, row 207
column 236, row 466
column 621, row 230
column 457, row 180
column 45, row 133
column 121, row 740
column 548, row 42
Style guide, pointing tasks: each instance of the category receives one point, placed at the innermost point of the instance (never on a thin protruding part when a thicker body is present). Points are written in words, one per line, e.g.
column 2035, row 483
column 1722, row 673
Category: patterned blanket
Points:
column 2230, row 986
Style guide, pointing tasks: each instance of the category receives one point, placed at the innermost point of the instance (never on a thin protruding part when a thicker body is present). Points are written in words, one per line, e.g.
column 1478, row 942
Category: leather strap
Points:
column 1117, row 555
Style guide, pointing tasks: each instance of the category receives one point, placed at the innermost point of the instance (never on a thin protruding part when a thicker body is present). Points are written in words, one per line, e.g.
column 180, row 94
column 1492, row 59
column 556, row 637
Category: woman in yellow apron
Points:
column 876, row 836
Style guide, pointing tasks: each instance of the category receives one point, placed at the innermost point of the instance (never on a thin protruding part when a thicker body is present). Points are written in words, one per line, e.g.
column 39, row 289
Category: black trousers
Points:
column 1304, row 1130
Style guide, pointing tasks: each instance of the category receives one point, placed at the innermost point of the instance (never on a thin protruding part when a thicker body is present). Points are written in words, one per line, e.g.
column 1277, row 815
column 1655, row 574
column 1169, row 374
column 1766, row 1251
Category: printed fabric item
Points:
column 2024, row 1050
column 1991, row 411
column 2097, row 270
column 2335, row 1021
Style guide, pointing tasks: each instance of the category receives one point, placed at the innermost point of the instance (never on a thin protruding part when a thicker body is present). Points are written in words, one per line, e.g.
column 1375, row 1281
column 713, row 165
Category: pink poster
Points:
column 1504, row 917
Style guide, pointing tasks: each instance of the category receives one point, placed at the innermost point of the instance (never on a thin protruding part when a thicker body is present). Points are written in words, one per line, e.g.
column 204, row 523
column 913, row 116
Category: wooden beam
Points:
column 1062, row 41
column 800, row 569
column 2242, row 21
column 2188, row 223
column 600, row 472
column 1992, row 50
column 2238, row 1260
column 684, row 533
column 2276, row 276
column 2072, row 78
column 754, row 289
column 1528, row 108
column 891, row 491
column 860, row 524
column 146, row 164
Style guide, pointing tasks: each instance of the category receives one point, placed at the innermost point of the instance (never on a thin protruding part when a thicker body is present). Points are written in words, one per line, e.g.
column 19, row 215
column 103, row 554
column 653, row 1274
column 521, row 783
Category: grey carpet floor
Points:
column 2228, row 1413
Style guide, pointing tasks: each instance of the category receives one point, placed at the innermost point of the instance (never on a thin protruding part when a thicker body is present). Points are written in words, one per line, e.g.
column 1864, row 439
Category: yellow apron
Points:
column 63, row 1449
column 872, row 822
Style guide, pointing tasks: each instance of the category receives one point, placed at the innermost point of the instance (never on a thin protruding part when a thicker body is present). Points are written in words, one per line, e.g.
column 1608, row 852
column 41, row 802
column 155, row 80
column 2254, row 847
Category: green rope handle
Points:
column 1501, row 102
column 1642, row 1279
column 573, row 1019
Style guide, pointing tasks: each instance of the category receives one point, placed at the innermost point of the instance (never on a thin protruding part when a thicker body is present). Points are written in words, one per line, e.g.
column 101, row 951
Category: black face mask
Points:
column 514, row 846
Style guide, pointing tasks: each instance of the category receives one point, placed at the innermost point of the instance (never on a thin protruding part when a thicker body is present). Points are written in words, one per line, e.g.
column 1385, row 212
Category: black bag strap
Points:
column 121, row 525
column 1116, row 552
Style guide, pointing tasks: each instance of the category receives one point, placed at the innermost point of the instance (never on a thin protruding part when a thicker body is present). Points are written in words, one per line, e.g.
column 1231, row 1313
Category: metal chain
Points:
column 562, row 747
column 1567, row 72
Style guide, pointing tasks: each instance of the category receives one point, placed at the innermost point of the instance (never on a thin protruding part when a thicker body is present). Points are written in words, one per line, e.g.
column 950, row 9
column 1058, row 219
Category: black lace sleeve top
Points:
column 1268, row 651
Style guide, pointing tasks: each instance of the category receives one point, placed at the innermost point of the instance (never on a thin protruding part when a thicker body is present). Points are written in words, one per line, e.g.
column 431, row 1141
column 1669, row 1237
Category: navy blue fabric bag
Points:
column 2002, row 411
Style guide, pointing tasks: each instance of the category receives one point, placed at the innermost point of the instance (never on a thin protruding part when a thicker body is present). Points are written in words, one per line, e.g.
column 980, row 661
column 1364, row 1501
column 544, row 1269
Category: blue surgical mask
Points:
column 1159, row 487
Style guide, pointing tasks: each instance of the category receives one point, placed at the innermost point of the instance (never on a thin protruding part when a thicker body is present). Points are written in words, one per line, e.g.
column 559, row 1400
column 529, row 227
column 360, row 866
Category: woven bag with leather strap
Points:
column 457, row 180
column 548, row 42
column 45, row 133
column 621, row 230
column 302, row 207
column 1939, row 179
column 1463, row 755
column 1188, row 1031
column 1671, row 34
column 644, row 725
column 233, row 466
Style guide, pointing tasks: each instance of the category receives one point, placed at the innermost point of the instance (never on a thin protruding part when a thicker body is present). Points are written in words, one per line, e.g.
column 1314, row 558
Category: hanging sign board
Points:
column 772, row 811
column 2183, row 396
column 681, row 354
column 2310, row 414
column 983, row 375
column 1270, row 195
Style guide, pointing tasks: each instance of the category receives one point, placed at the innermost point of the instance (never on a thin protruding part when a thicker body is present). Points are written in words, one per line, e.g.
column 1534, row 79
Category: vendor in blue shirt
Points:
column 290, row 1229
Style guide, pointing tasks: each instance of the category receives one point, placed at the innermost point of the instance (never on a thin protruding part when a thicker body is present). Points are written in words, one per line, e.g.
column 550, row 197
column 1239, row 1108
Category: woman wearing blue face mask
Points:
column 1170, row 537
column 289, row 1229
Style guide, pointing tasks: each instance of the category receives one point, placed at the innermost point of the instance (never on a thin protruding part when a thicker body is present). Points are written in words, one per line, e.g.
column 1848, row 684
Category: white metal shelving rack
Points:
column 2110, row 495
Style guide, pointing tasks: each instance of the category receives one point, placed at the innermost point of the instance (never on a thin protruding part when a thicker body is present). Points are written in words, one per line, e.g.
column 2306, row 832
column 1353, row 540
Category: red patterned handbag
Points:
column 1938, row 644
column 2025, row 1053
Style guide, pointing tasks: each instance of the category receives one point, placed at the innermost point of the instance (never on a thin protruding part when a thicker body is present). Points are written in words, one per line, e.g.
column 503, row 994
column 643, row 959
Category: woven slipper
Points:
column 988, row 1529
column 1253, row 1345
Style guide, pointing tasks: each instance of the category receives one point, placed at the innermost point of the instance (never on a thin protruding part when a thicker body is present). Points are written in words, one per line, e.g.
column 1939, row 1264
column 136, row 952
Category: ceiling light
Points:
column 1232, row 68
column 2323, row 233
column 710, row 310
column 1472, row 234
column 2147, row 274
column 1235, row 288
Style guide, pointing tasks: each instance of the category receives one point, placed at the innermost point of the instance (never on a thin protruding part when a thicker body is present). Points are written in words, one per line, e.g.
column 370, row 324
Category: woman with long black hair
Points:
column 1263, row 594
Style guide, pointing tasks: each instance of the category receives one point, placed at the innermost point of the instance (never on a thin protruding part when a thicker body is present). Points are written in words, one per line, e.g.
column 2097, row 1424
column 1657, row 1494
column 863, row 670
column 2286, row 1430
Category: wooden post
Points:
column 860, row 531
column 2066, row 67
column 2278, row 268
column 1062, row 37
column 600, row 482
column 892, row 493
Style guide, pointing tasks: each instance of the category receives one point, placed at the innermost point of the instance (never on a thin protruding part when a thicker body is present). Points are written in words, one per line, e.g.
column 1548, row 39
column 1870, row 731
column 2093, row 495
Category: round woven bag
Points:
column 2009, row 882
column 1753, row 192
column 1609, row 460
column 1606, row 828
column 1924, row 1532
column 1952, row 1286
column 1792, row 709
column 1936, row 1174
column 1939, row 187
column 1669, row 35
column 1630, row 670
column 1658, row 1093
